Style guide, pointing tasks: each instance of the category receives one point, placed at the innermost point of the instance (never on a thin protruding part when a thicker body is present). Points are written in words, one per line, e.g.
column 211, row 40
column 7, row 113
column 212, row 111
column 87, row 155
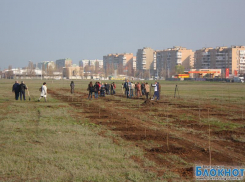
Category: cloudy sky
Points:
column 47, row 30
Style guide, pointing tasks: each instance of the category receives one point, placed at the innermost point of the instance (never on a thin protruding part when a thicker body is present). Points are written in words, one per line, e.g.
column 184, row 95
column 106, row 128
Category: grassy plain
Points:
column 59, row 141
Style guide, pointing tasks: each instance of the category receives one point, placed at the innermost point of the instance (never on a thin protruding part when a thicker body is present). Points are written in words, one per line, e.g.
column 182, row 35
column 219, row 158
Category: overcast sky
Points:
column 47, row 30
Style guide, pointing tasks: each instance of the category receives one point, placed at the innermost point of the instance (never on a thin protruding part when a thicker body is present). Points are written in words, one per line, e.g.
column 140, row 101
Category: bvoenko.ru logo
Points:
column 218, row 173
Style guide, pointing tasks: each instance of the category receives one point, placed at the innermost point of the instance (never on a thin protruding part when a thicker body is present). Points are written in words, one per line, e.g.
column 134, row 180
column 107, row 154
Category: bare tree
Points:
column 30, row 69
column 146, row 74
column 10, row 67
column 97, row 67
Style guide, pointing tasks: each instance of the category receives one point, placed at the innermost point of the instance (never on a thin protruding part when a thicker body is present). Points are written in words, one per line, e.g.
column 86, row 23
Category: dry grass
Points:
column 44, row 142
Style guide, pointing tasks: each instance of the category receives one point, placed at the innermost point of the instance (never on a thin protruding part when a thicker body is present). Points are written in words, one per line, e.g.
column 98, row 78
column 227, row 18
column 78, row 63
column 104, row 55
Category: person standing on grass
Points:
column 142, row 88
column 156, row 93
column 132, row 90
column 44, row 92
column 16, row 90
column 139, row 89
column 90, row 90
column 106, row 89
column 126, row 86
column 23, row 88
column 147, row 90
column 114, row 88
column 136, row 89
column 72, row 85
column 96, row 90
column 102, row 90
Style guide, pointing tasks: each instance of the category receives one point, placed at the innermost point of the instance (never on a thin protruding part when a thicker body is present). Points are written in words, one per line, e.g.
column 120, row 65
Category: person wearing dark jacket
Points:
column 112, row 88
column 126, row 86
column 90, row 89
column 16, row 90
column 96, row 90
column 23, row 88
column 72, row 85
column 143, row 88
column 106, row 88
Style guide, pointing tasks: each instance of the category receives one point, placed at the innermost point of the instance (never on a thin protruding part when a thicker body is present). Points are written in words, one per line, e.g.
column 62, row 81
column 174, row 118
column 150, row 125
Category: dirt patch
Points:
column 152, row 136
column 149, row 103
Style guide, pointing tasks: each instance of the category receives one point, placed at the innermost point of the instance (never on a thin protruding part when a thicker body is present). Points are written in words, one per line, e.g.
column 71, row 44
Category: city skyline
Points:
column 45, row 30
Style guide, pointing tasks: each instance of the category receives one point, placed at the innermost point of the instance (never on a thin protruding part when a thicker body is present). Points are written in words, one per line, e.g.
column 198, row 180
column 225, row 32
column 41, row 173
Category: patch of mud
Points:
column 149, row 103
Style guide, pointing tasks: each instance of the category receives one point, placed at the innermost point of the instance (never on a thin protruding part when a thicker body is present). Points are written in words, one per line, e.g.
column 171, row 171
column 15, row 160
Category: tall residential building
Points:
column 232, row 58
column 144, row 58
column 202, row 58
column 120, row 62
column 134, row 63
column 93, row 62
column 63, row 63
column 166, row 60
column 222, row 58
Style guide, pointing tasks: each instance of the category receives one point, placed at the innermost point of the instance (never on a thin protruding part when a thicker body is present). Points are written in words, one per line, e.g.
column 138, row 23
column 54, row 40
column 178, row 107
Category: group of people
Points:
column 140, row 89
column 101, row 89
column 128, row 88
column 19, row 90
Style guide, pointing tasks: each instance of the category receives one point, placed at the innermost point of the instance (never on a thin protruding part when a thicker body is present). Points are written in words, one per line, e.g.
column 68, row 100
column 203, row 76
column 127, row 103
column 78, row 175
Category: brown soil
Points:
column 156, row 127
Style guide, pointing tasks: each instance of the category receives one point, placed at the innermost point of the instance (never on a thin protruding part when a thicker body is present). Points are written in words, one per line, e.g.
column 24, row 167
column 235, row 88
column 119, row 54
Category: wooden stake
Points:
column 99, row 112
column 167, row 132
column 145, row 132
column 199, row 115
column 222, row 101
column 209, row 140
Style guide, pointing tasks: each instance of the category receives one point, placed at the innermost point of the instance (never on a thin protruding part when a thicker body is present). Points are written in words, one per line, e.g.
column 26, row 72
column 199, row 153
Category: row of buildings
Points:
column 147, row 63
column 62, row 68
column 164, row 63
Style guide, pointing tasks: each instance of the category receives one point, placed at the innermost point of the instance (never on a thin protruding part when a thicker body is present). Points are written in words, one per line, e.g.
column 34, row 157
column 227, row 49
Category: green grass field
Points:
column 47, row 142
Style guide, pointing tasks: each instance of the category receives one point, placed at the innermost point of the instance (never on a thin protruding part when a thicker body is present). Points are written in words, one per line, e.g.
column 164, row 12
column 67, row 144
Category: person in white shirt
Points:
column 44, row 92
column 156, row 94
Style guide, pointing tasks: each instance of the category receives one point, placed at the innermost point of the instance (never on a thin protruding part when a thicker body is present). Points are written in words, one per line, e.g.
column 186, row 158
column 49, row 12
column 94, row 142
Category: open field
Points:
column 70, row 138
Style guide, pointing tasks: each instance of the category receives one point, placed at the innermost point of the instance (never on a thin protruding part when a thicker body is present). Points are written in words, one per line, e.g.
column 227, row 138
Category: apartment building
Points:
column 222, row 58
column 202, row 59
column 83, row 63
column 134, row 63
column 232, row 58
column 60, row 63
column 46, row 65
column 166, row 60
column 93, row 62
column 144, row 59
column 120, row 62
